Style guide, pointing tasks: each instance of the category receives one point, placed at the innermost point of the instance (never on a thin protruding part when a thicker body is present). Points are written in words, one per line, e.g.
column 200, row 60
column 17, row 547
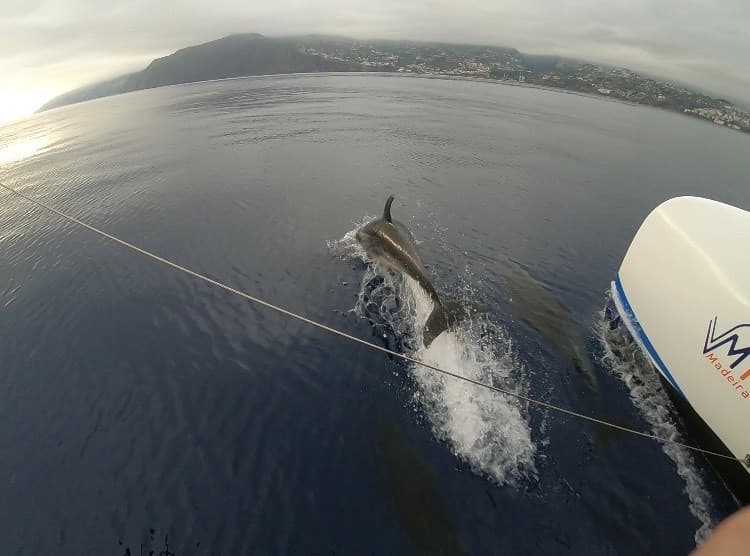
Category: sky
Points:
column 48, row 47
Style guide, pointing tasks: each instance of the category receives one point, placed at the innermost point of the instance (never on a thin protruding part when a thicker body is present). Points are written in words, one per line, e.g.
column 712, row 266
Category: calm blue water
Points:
column 141, row 409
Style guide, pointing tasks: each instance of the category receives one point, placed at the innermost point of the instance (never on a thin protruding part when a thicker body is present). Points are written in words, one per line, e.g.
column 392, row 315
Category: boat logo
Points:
column 735, row 344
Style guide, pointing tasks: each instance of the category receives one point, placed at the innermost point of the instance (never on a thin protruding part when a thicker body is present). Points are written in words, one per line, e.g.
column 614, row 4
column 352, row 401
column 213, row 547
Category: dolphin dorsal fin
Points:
column 387, row 209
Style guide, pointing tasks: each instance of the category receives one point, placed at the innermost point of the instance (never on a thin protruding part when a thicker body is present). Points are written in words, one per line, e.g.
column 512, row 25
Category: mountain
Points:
column 232, row 56
column 89, row 92
column 542, row 63
column 254, row 54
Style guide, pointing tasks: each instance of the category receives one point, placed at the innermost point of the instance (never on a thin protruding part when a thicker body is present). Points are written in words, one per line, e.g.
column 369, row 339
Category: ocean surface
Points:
column 144, row 410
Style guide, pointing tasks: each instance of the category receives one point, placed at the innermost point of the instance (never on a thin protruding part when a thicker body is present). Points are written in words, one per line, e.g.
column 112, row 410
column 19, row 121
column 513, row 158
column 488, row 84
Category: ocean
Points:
column 144, row 410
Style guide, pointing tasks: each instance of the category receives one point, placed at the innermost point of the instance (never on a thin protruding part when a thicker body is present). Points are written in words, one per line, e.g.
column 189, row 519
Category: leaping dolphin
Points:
column 390, row 243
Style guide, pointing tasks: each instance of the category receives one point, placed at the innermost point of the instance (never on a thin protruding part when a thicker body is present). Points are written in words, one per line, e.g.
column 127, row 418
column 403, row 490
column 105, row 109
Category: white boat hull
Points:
column 683, row 293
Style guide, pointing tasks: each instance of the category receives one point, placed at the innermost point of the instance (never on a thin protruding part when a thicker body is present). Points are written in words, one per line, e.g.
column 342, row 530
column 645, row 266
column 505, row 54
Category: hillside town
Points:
column 509, row 65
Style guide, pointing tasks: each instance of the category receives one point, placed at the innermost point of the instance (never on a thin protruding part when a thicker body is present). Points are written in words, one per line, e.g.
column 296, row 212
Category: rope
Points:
column 342, row 334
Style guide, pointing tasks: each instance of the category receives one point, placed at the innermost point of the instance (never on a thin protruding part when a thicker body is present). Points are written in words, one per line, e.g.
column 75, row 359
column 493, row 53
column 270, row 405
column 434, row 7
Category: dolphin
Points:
column 541, row 311
column 412, row 492
column 390, row 243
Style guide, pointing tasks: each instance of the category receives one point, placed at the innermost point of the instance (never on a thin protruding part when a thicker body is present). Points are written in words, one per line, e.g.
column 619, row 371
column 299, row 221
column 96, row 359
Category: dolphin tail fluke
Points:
column 446, row 315
column 583, row 365
column 436, row 324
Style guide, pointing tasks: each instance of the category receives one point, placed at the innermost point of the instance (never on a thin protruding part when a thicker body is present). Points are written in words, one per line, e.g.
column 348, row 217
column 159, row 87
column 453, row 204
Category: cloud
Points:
column 55, row 45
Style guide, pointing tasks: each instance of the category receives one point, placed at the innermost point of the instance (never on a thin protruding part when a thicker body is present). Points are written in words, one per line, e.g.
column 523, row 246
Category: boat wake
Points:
column 624, row 358
column 488, row 430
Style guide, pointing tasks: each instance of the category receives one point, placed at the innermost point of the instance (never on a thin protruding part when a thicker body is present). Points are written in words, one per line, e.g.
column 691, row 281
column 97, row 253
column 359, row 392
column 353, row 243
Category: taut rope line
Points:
column 342, row 334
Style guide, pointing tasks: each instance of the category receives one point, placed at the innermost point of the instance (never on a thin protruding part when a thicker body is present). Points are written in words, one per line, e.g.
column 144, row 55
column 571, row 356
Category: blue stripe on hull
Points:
column 642, row 337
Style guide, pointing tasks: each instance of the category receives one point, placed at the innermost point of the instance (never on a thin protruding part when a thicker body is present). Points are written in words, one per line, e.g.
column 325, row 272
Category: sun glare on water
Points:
column 20, row 103
column 20, row 150
column 14, row 105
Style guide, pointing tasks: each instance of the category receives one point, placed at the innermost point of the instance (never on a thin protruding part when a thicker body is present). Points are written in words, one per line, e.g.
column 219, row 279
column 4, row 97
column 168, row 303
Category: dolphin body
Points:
column 390, row 243
column 541, row 310
column 413, row 493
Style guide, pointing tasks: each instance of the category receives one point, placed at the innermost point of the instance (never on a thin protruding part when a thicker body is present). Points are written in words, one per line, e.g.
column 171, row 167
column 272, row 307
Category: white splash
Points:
column 488, row 430
column 631, row 366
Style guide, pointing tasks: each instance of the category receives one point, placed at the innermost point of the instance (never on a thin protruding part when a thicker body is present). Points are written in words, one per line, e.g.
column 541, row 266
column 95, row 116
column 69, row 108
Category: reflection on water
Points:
column 22, row 149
